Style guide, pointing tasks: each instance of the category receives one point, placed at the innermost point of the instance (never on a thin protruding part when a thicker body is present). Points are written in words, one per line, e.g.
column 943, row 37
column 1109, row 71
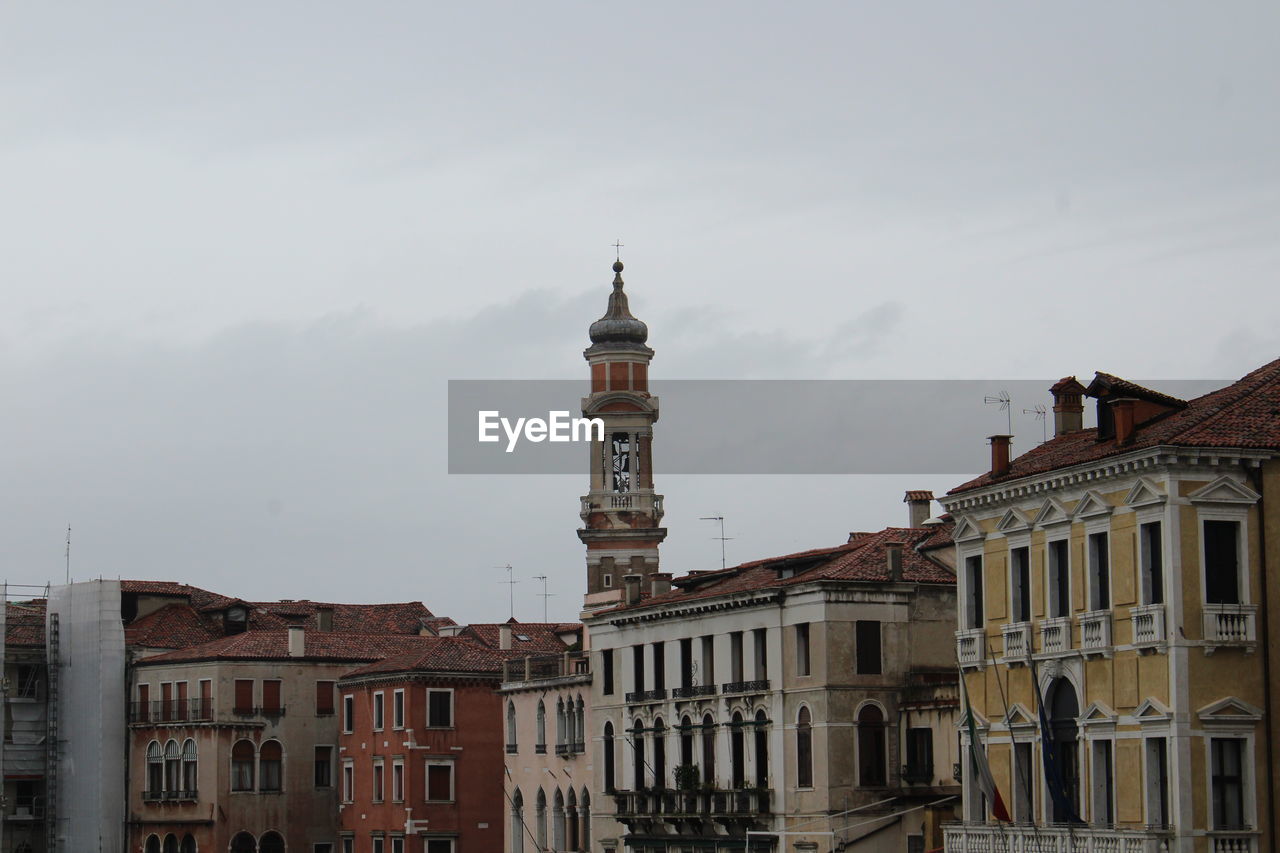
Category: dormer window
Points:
column 236, row 620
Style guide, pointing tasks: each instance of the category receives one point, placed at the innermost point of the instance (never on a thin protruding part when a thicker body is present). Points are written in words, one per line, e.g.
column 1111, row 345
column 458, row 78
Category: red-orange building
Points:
column 421, row 751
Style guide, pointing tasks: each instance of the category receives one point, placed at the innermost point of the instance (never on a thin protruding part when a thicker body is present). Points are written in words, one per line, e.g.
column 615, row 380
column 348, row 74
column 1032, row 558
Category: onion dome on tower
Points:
column 618, row 329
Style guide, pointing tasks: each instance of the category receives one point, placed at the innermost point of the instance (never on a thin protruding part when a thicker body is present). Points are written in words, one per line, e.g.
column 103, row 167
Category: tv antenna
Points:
column 68, row 554
column 723, row 539
column 1042, row 415
column 545, row 595
column 1003, row 399
column 511, row 588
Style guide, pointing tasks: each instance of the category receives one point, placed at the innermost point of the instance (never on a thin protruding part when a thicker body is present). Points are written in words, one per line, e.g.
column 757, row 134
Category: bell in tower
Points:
column 622, row 512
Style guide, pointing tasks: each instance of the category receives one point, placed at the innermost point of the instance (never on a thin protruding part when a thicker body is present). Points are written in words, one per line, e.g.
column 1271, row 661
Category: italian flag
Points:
column 978, row 761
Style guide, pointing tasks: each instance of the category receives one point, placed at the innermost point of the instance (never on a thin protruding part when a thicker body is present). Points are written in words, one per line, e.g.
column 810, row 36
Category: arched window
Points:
column 270, row 759
column 762, row 750
column 271, row 842
column 517, row 822
column 562, row 736
column 686, row 740
column 1064, row 708
column 155, row 776
column 708, row 750
column 571, row 821
column 189, row 767
column 172, row 767
column 871, row 747
column 804, row 750
column 242, row 755
column 659, row 753
column 153, row 841
column 580, row 729
column 540, row 820
column 584, row 808
column 243, row 843
column 511, row 727
column 637, row 754
column 540, row 745
column 609, row 781
column 737, row 752
column 188, row 844
column 170, row 843
column 557, row 821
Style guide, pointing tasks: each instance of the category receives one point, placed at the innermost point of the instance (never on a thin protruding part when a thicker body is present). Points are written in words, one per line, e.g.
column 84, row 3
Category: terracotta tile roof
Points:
column 201, row 599
column 438, row 654
column 24, row 623
column 541, row 636
column 918, row 495
column 274, row 645
column 1245, row 414
column 1105, row 383
column 174, row 626
column 863, row 560
column 397, row 618
column 1067, row 383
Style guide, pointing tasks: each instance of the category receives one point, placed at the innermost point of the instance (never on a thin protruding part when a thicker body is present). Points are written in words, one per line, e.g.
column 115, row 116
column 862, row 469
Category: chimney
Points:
column 324, row 617
column 631, row 583
column 918, row 503
column 1122, row 418
column 297, row 641
column 1000, row 454
column 893, row 559
column 660, row 582
column 504, row 636
column 1068, row 405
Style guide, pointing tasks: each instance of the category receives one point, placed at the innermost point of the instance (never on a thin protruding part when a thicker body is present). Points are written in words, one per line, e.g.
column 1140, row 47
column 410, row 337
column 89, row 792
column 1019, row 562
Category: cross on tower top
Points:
column 617, row 249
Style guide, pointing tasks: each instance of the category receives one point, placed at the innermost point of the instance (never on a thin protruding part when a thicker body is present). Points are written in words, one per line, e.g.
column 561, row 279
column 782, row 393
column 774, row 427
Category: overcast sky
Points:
column 246, row 245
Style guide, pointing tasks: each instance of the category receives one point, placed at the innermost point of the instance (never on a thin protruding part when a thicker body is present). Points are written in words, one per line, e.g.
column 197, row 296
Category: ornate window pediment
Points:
column 1229, row 711
column 967, row 531
column 1152, row 711
column 1144, row 493
column 1224, row 490
column 1051, row 512
column 1013, row 521
column 1092, row 505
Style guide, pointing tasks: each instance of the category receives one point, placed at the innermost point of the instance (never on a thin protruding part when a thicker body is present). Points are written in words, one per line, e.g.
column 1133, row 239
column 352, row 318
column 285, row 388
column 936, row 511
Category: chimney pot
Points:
column 918, row 503
column 1122, row 416
column 631, row 583
column 297, row 641
column 1068, row 405
column 893, row 560
column 504, row 636
column 1000, row 454
column 660, row 582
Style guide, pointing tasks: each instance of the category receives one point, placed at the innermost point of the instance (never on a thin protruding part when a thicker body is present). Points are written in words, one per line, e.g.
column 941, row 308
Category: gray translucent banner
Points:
column 783, row 426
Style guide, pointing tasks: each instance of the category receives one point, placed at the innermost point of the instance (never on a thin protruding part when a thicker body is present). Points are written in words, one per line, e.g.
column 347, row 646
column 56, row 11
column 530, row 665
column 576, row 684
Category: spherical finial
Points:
column 617, row 266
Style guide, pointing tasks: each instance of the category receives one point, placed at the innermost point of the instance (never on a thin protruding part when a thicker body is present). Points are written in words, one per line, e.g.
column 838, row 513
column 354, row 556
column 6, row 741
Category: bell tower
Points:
column 621, row 513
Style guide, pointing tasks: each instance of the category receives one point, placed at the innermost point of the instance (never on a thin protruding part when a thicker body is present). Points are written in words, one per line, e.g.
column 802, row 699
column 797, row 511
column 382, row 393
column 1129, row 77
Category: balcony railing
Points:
column 1148, row 625
column 26, row 808
column 713, row 803
column 169, row 796
column 970, row 646
column 171, row 711
column 1006, row 838
column 693, row 691
column 1055, row 635
column 1095, row 632
column 1233, row 842
column 759, row 685
column 646, row 696
column 1230, row 625
column 1017, row 642
column 546, row 666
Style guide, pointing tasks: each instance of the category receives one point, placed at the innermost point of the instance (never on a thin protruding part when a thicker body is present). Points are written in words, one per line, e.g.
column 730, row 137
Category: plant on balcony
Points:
column 686, row 776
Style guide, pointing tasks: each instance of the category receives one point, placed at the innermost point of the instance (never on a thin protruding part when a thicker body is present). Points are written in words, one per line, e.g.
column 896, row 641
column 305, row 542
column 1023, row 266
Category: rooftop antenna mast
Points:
column 1003, row 399
column 545, row 595
column 1042, row 415
column 68, row 554
column 723, row 539
column 511, row 588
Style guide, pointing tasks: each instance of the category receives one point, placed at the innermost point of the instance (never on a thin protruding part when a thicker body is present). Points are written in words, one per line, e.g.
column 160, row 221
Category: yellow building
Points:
column 1119, row 576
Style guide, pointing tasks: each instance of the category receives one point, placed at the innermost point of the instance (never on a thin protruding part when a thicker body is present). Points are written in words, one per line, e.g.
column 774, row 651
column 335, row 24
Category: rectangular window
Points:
column 378, row 781
column 606, row 667
column 324, row 767
column 439, row 845
column 322, row 847
column 379, row 710
column 1157, row 782
column 397, row 780
column 440, row 781
column 686, row 662
column 144, row 704
column 1152, row 563
column 379, row 844
column 348, row 714
column 637, row 668
column 760, row 653
column 181, row 708
column 324, row 698
column 348, row 780
column 735, row 656
column 802, row 649
column 659, row 666
column 166, row 701
column 1227, row 782
column 1103, row 806
column 919, row 755
column 1099, row 572
column 271, row 696
column 397, row 845
column 708, row 659
column 867, row 647
column 439, row 709
column 244, row 696
column 397, row 709
column 1020, row 584
column 1024, row 805
column 1059, row 585
column 1222, row 562
column 348, row 845
column 973, row 592
column 206, row 699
